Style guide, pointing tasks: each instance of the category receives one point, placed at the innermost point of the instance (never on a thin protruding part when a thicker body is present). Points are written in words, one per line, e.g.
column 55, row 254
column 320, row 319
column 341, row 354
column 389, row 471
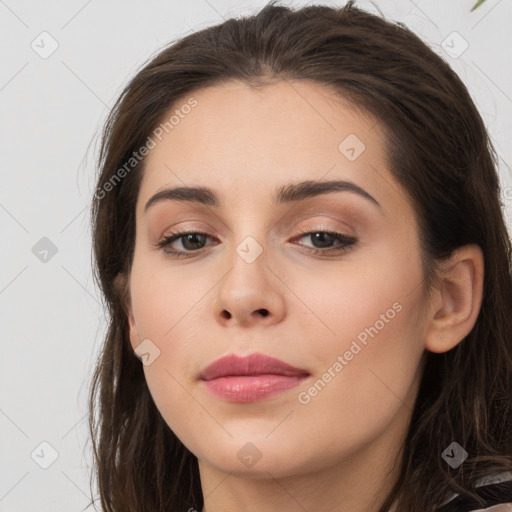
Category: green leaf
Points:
column 478, row 4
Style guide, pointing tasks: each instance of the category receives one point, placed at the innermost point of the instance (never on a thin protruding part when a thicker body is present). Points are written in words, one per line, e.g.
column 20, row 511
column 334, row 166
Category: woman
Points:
column 298, row 233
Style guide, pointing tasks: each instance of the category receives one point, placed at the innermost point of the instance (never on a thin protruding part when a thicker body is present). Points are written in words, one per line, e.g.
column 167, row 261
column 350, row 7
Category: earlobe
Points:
column 457, row 300
column 134, row 332
column 122, row 290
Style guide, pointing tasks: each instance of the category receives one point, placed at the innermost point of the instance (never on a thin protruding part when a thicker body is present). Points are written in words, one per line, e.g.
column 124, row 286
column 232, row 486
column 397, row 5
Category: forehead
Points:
column 241, row 138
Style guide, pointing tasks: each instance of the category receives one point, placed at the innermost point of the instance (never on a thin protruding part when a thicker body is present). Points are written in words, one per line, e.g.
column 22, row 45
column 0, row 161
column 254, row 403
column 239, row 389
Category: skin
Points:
column 332, row 453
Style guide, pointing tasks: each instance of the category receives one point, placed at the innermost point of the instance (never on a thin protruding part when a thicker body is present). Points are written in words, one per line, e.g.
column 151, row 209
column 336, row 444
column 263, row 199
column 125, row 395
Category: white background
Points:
column 51, row 113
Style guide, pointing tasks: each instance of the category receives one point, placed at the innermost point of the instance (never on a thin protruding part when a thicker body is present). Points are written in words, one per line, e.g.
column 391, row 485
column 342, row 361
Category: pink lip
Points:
column 247, row 379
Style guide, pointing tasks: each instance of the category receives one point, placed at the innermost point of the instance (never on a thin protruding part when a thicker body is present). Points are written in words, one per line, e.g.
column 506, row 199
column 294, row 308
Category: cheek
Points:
column 169, row 311
column 368, row 376
column 163, row 302
column 170, row 321
column 369, row 316
column 373, row 290
column 164, row 310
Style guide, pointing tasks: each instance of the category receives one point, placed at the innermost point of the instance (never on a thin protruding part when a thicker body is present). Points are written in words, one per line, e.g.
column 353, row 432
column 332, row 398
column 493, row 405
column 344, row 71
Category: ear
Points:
column 134, row 332
column 121, row 285
column 456, row 301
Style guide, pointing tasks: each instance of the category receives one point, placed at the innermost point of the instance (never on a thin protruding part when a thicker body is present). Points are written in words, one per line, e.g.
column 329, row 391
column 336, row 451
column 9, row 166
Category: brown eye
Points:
column 191, row 241
column 323, row 241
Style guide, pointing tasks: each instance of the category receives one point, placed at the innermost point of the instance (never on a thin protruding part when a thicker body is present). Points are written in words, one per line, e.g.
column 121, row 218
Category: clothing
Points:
column 496, row 490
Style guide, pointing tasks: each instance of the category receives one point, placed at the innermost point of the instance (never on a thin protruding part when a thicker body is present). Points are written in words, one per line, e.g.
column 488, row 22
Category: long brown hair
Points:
column 438, row 150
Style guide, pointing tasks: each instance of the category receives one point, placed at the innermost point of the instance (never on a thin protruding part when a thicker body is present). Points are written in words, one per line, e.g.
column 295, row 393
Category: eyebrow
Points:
column 285, row 194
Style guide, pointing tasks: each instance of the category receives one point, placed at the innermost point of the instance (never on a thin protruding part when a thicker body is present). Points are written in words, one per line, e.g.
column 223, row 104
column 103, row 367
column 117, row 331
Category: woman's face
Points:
column 351, row 318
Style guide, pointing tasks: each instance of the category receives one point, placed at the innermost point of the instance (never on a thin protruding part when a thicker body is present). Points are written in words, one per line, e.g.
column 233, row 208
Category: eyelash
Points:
column 347, row 243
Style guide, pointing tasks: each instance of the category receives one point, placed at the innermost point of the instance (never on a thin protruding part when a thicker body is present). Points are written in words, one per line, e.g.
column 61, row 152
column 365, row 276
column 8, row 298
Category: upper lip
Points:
column 253, row 364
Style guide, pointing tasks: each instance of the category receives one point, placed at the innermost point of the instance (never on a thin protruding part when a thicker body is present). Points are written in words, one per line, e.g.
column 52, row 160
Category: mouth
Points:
column 247, row 379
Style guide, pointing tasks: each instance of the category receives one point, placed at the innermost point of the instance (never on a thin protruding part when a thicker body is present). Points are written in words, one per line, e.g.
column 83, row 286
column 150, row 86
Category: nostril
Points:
column 264, row 312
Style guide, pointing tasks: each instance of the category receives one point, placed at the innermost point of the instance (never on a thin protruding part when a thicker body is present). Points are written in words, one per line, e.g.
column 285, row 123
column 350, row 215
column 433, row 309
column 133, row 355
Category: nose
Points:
column 250, row 293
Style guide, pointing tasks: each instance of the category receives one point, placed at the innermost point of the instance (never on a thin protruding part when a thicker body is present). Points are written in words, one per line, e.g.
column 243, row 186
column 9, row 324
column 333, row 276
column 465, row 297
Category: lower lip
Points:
column 251, row 388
